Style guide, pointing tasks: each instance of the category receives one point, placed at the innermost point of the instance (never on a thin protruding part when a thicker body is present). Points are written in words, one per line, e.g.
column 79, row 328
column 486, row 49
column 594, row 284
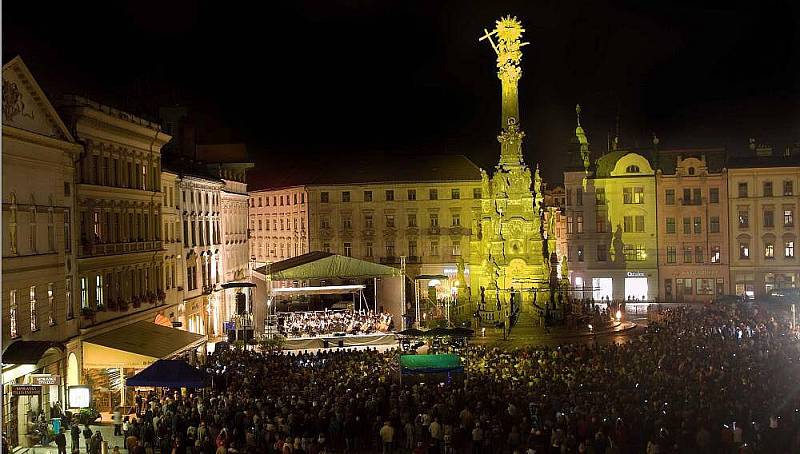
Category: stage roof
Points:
column 325, row 290
column 324, row 265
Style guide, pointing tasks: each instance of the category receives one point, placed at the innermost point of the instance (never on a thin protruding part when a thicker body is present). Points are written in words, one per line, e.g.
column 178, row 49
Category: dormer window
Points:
column 691, row 171
column 632, row 169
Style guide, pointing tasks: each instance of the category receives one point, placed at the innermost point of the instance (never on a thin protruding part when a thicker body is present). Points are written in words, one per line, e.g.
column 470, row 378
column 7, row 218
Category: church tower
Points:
column 509, row 253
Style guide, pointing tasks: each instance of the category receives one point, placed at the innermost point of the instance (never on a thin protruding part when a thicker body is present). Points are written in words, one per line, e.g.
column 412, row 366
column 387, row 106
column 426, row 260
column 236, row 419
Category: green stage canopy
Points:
column 417, row 364
column 324, row 265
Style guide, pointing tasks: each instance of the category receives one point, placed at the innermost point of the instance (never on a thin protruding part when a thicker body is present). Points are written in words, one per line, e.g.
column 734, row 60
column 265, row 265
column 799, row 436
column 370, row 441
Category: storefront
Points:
column 615, row 285
column 32, row 386
column 700, row 285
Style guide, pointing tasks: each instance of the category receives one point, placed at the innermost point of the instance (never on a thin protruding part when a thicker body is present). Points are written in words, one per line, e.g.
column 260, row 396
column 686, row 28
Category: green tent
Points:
column 425, row 364
column 324, row 265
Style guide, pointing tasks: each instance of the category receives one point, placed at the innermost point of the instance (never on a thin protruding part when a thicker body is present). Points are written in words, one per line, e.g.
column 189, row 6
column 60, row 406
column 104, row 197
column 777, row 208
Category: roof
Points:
column 169, row 374
column 430, row 363
column 142, row 338
column 27, row 352
column 763, row 162
column 370, row 168
column 324, row 265
column 185, row 167
column 667, row 159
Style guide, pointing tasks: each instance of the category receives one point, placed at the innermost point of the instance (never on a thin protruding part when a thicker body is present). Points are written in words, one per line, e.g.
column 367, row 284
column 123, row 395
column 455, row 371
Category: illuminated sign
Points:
column 26, row 390
column 47, row 379
column 79, row 396
column 636, row 274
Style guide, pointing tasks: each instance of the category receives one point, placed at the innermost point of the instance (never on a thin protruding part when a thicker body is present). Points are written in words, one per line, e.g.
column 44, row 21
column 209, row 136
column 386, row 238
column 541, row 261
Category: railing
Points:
column 433, row 230
column 98, row 249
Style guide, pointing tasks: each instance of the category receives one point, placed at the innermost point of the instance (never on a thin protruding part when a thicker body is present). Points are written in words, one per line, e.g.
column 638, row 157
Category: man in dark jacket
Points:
column 75, row 433
column 87, row 436
column 61, row 441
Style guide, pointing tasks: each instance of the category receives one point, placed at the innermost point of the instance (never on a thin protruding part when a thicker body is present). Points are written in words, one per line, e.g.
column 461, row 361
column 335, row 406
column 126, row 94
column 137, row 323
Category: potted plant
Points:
column 100, row 308
column 87, row 312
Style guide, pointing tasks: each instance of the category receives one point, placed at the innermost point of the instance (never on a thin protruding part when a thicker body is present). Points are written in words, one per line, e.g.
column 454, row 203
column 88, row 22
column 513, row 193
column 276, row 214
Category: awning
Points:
column 30, row 352
column 324, row 265
column 137, row 345
column 169, row 374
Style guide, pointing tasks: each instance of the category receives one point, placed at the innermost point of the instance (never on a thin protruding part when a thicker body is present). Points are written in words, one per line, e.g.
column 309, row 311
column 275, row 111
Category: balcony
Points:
column 413, row 259
column 457, row 230
column 691, row 202
column 433, row 230
column 390, row 260
column 100, row 249
column 412, row 231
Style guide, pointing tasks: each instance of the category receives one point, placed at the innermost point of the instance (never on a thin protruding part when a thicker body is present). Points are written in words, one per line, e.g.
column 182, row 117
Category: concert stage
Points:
column 334, row 342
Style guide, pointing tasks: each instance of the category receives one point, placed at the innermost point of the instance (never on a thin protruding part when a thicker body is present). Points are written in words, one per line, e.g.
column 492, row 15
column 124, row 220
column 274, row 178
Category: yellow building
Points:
column 763, row 201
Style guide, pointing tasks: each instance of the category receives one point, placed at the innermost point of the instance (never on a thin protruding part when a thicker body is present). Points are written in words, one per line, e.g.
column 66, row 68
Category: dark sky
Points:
column 295, row 79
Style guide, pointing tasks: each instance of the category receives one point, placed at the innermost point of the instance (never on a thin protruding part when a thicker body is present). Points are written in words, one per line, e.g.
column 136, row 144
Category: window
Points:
column 12, row 314
column 742, row 190
column 788, row 218
column 639, row 224
column 282, row 224
column 68, row 233
column 294, row 198
column 715, row 254
column 633, row 195
column 697, row 196
column 670, row 225
column 698, row 227
column 98, row 291
column 788, row 188
column 600, row 222
column 714, row 225
column 51, row 235
column 456, row 220
column 684, row 286
column 435, row 248
column 390, row 220
column 669, row 196
column 412, row 220
column 769, row 218
column 570, row 226
column 323, row 197
column 579, row 222
column 632, row 169
column 412, row 248
column 348, row 249
column 34, row 314
column 84, row 292
column 698, row 254
column 368, row 196
column 345, row 196
column 580, row 253
column 691, row 170
column 326, row 247
column 705, row 286
column 687, row 254
column 434, row 220
column 455, row 194
column 627, row 224
column 579, row 197
column 347, row 223
column 671, row 254
column 456, row 248
column 476, row 193
column 368, row 221
column 433, row 194
column 744, row 219
column 368, row 249
column 389, row 195
column 412, row 194
column 788, row 250
column 687, row 226
column 744, row 250
column 259, row 201
column 600, row 196
column 68, row 298
column 260, row 225
column 687, row 196
column 769, row 250
column 713, row 195
column 602, row 253
column 767, row 189
column 634, row 253
column 324, row 222
column 51, row 305
column 389, row 248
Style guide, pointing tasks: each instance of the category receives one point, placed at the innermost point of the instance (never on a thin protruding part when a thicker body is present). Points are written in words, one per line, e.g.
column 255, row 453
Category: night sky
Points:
column 296, row 79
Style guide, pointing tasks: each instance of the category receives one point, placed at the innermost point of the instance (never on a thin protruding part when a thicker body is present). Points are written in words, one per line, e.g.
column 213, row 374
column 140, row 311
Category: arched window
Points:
column 691, row 170
column 632, row 169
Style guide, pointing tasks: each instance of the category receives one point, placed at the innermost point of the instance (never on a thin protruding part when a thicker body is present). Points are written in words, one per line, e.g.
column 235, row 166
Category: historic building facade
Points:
column 39, row 314
column 763, row 202
column 693, row 258
column 172, row 233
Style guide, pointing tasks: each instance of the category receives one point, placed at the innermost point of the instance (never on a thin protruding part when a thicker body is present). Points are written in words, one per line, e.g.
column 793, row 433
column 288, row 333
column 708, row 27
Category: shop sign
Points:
column 636, row 274
column 26, row 390
column 47, row 379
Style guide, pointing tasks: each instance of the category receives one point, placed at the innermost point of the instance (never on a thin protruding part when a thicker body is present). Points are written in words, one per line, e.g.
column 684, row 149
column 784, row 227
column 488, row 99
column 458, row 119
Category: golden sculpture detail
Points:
column 508, row 31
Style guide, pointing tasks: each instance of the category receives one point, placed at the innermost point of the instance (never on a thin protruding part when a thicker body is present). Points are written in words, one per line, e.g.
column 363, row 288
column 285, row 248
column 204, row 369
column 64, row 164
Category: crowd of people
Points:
column 321, row 323
column 717, row 380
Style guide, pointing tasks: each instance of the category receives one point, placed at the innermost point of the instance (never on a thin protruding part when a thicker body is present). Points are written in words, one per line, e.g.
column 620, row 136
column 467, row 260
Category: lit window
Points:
column 84, row 292
column 348, row 249
column 368, row 247
column 98, row 291
column 788, row 188
column 788, row 218
column 744, row 219
column 715, row 254
column 12, row 314
column 51, row 305
column 788, row 250
column 456, row 220
column 769, row 251
column 744, row 250
column 34, row 314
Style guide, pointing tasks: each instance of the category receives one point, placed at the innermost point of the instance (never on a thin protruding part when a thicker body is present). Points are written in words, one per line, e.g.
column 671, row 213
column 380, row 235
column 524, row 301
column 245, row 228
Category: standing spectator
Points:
column 387, row 436
column 61, row 441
